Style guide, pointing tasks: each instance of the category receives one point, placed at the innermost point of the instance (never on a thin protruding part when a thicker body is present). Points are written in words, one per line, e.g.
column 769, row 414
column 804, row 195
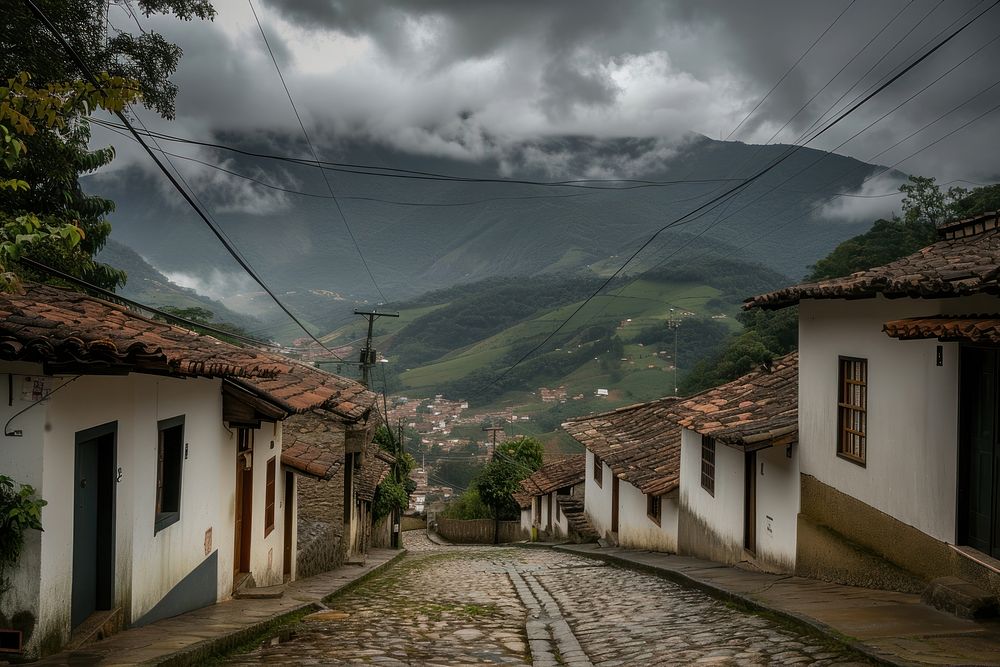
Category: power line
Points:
column 85, row 69
column 412, row 174
column 742, row 186
column 312, row 150
column 789, row 70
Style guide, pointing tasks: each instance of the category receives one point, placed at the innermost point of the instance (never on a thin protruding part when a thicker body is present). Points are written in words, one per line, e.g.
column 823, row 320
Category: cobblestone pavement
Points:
column 501, row 605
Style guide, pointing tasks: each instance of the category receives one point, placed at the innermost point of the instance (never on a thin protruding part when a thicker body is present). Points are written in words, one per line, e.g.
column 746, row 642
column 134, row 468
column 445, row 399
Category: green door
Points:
column 979, row 464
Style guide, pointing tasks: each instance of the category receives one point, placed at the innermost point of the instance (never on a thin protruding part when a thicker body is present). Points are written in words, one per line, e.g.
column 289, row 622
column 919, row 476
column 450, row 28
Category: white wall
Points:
column 778, row 488
column 636, row 530
column 560, row 525
column 147, row 565
column 912, row 444
column 722, row 514
column 597, row 499
column 526, row 520
column 266, row 555
column 21, row 459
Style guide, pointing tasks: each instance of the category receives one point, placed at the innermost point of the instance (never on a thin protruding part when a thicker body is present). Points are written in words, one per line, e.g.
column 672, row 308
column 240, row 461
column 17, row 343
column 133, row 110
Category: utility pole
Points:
column 493, row 429
column 368, row 355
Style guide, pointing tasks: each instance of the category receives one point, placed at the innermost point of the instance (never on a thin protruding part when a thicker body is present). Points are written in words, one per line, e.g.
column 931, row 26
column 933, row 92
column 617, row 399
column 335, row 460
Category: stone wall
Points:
column 321, row 525
column 479, row 531
column 413, row 523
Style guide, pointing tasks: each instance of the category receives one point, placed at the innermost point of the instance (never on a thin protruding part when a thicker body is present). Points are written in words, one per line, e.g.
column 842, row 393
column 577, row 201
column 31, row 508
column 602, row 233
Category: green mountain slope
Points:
column 468, row 231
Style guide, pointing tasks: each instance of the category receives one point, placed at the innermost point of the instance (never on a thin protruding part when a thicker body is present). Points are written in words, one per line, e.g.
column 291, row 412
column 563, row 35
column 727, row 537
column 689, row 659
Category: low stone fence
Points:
column 479, row 531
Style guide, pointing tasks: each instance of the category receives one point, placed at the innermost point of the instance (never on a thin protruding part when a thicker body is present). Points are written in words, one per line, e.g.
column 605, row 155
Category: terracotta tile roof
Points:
column 375, row 468
column 638, row 442
column 756, row 408
column 973, row 328
column 557, row 474
column 965, row 260
column 299, row 388
column 65, row 328
column 522, row 498
column 313, row 444
column 68, row 329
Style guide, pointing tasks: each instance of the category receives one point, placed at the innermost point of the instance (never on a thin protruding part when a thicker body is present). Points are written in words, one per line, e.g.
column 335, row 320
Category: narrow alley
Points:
column 516, row 606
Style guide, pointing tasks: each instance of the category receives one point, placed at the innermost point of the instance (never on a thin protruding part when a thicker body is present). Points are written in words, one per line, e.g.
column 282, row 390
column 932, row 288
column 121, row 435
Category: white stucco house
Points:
column 551, row 500
column 898, row 395
column 159, row 453
column 739, row 472
column 632, row 474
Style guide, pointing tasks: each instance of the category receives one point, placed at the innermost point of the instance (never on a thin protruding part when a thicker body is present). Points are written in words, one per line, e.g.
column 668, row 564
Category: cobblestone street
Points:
column 513, row 606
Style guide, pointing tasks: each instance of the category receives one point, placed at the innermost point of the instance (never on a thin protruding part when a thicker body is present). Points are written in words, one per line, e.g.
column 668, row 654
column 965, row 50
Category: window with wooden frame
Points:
column 169, row 465
column 708, row 464
column 269, row 497
column 598, row 470
column 654, row 508
column 852, row 410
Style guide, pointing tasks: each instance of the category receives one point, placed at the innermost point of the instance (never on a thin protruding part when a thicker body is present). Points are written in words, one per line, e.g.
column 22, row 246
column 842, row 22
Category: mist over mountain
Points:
column 418, row 234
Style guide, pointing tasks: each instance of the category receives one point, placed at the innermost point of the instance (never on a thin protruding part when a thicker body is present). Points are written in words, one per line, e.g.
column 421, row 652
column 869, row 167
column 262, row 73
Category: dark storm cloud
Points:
column 468, row 78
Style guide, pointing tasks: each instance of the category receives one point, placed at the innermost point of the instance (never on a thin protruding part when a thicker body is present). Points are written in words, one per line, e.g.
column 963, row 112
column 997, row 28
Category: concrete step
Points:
column 961, row 598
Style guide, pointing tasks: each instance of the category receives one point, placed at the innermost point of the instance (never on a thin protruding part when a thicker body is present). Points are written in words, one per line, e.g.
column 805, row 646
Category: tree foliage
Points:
column 770, row 334
column 393, row 493
column 514, row 460
column 44, row 133
column 44, row 149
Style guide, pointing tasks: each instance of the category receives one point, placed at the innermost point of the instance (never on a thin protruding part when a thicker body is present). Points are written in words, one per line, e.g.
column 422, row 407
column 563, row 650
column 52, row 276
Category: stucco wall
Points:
column 22, row 461
column 148, row 565
column 597, row 499
column 777, row 507
column 710, row 526
column 636, row 530
column 911, row 471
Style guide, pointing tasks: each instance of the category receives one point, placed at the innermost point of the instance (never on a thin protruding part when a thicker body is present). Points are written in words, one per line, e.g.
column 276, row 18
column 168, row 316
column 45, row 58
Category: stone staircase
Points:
column 580, row 529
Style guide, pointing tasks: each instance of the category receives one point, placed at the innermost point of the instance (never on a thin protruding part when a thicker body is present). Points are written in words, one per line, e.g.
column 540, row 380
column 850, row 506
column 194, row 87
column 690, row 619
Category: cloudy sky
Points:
column 466, row 78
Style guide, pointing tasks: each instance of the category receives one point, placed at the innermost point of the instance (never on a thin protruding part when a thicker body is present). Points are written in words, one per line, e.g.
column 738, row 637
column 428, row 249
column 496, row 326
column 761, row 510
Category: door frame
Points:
column 750, row 501
column 242, row 506
column 107, row 512
column 964, row 482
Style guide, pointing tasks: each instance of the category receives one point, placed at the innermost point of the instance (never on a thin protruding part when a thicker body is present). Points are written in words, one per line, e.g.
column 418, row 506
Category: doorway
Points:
column 979, row 452
column 243, row 505
column 289, row 525
column 750, row 502
column 93, row 522
column 614, row 503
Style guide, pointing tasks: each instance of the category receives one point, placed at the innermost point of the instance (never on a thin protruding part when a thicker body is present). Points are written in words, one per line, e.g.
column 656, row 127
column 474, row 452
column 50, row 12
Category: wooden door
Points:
column 979, row 460
column 614, row 503
column 750, row 502
column 243, row 503
column 93, row 523
column 548, row 509
column 289, row 524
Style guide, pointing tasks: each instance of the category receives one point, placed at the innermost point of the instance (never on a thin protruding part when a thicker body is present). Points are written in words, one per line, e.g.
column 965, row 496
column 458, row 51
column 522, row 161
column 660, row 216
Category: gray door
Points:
column 93, row 522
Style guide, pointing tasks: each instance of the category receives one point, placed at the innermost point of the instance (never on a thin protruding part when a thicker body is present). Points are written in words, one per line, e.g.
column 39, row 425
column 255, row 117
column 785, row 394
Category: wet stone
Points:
column 467, row 606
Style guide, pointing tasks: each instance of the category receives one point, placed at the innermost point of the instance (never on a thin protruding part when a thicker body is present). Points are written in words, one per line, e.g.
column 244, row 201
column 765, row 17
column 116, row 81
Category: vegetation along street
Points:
column 551, row 333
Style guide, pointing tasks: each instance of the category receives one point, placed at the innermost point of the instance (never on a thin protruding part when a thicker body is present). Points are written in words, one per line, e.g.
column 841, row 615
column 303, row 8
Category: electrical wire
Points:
column 742, row 186
column 85, row 69
column 312, row 149
column 790, row 69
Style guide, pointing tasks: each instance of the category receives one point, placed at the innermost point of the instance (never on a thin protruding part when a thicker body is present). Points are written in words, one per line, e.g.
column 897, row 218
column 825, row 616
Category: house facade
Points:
column 739, row 469
column 898, row 427
column 632, row 474
column 550, row 499
column 158, row 451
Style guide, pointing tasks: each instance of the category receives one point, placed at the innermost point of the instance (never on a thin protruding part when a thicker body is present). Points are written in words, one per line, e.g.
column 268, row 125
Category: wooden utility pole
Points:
column 368, row 355
column 493, row 429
